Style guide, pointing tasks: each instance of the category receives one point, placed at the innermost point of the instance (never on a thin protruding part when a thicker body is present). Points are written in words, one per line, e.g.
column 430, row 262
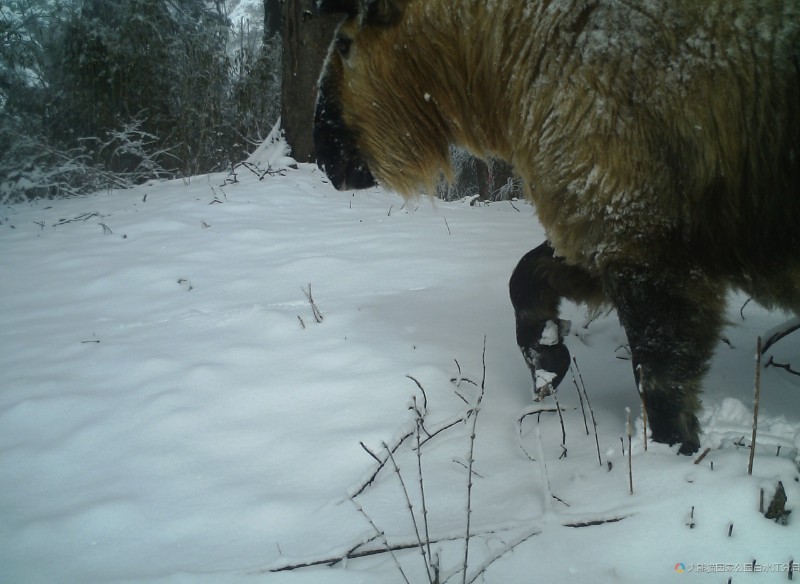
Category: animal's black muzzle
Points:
column 337, row 151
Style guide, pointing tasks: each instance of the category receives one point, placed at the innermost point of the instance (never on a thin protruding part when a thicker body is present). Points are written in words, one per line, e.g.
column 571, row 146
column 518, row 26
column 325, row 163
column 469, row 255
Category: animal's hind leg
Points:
column 672, row 316
column 538, row 284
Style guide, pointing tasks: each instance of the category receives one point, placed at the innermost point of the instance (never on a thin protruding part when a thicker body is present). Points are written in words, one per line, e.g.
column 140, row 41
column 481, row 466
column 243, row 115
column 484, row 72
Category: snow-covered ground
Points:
column 171, row 411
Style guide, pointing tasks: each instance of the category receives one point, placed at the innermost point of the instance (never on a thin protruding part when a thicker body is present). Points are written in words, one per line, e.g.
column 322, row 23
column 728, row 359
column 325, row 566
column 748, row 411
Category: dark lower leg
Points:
column 537, row 285
column 672, row 318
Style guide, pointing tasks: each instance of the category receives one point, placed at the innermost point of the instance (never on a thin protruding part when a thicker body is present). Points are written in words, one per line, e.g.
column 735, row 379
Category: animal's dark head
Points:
column 373, row 121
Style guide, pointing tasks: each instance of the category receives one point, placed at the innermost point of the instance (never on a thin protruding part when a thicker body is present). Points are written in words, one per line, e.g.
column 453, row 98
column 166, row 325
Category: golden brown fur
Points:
column 598, row 114
column 659, row 140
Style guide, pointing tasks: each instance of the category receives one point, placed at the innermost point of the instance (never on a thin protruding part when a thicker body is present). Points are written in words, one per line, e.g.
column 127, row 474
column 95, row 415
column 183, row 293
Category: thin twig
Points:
column 410, row 512
column 82, row 217
column 433, row 565
column 317, row 314
column 355, row 553
column 368, row 451
column 629, row 426
column 741, row 310
column 382, row 463
column 543, row 466
column 536, row 412
column 480, row 570
column 471, row 460
column 756, row 400
column 563, row 430
column 382, row 535
column 785, row 366
column 580, row 399
column 702, row 456
column 591, row 411
column 644, row 403
column 353, row 550
column 422, row 390
column 596, row 522
column 783, row 331
column 380, row 466
column 446, row 426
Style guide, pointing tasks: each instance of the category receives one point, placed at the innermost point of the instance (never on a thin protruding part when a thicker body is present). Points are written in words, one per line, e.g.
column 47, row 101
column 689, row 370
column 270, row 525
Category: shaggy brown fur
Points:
column 659, row 141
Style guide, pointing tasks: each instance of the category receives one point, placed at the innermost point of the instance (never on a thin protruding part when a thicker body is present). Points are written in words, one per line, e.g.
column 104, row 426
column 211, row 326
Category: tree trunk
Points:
column 306, row 36
column 272, row 19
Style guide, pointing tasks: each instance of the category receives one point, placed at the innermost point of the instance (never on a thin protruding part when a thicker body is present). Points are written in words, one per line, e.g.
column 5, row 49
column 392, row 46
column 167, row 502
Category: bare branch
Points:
column 420, row 544
column 355, row 553
column 756, row 400
column 786, row 366
column 591, row 411
column 778, row 333
column 471, row 460
column 317, row 314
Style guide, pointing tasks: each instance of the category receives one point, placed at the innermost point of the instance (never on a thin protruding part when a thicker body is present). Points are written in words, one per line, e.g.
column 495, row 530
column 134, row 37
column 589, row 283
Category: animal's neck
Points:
column 468, row 69
column 481, row 63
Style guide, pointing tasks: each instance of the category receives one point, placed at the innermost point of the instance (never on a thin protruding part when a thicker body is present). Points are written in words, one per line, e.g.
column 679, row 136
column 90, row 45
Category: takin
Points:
column 659, row 141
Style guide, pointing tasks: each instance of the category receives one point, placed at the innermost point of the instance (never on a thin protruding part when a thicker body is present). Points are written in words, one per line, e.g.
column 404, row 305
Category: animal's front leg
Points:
column 672, row 316
column 537, row 285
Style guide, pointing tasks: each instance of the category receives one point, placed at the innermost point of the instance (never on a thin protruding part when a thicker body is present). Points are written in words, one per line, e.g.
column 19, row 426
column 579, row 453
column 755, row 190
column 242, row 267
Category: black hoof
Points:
column 670, row 426
column 689, row 447
column 548, row 364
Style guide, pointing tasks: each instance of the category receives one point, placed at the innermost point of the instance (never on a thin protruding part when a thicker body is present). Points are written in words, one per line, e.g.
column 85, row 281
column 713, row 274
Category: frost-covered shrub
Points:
column 492, row 181
column 31, row 167
column 100, row 94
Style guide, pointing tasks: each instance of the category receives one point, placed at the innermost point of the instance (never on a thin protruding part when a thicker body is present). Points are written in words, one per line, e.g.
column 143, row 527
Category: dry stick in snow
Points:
column 630, row 457
column 352, row 552
column 421, row 545
column 317, row 314
column 538, row 413
column 782, row 331
column 543, row 469
column 702, row 456
column 644, row 404
column 580, row 399
column 372, row 454
column 433, row 564
column 591, row 411
column 355, row 553
column 471, row 460
column 382, row 535
column 424, row 395
column 430, row 435
column 756, row 399
column 785, row 366
column 563, row 431
column 496, row 556
column 381, row 464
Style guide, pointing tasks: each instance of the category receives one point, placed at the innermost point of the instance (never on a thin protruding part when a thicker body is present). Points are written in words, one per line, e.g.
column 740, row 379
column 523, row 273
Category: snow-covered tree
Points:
column 130, row 88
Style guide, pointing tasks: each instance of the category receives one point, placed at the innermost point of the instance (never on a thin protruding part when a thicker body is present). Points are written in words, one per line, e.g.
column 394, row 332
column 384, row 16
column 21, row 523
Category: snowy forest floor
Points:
column 171, row 411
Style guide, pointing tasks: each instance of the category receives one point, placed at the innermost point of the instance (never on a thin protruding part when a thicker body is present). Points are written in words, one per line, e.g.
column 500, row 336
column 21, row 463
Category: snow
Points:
column 245, row 11
column 550, row 334
column 172, row 412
